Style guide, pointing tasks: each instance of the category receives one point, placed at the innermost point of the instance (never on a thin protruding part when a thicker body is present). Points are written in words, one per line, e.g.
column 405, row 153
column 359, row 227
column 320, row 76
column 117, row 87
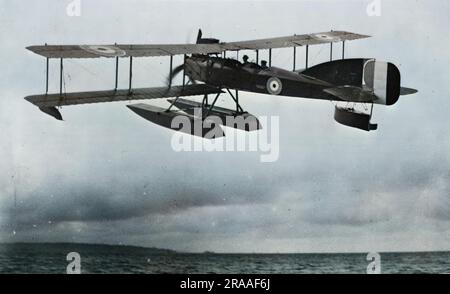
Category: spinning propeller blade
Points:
column 179, row 68
column 173, row 74
column 199, row 36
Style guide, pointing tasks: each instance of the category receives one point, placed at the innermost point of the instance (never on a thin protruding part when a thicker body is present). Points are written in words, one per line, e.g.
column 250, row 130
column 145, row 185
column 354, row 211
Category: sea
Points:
column 51, row 258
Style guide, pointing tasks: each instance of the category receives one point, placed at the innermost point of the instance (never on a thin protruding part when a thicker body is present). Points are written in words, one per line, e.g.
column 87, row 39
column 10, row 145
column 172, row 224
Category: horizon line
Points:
column 218, row 252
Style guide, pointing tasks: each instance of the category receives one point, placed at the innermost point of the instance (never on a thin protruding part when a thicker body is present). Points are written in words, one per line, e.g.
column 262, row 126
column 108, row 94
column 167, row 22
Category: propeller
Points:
column 199, row 36
column 180, row 68
column 174, row 73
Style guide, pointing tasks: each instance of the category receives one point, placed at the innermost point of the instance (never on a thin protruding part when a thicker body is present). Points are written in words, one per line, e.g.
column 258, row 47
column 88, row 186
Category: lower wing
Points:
column 49, row 103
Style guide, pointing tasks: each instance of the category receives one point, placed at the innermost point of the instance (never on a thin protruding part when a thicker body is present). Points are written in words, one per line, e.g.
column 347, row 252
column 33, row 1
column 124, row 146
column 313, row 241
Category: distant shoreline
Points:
column 171, row 251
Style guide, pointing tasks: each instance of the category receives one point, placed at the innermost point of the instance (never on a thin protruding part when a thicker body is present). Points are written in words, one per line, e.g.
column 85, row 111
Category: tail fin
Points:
column 378, row 77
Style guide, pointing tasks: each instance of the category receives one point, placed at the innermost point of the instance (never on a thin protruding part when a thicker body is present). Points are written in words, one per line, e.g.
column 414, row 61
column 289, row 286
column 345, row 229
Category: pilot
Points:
column 245, row 58
column 263, row 64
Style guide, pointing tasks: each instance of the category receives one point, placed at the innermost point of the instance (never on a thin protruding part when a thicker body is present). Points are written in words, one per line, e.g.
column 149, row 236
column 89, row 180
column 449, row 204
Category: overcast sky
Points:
column 105, row 175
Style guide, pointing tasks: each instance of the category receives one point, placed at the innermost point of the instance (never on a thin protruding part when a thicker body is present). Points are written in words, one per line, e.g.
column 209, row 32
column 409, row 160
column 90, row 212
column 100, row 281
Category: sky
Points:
column 105, row 175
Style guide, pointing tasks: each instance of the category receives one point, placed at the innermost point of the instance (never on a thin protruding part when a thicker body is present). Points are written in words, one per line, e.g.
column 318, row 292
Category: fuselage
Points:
column 249, row 76
column 351, row 79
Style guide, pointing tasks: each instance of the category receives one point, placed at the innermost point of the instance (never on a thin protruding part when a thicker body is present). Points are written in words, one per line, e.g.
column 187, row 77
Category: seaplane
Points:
column 208, row 71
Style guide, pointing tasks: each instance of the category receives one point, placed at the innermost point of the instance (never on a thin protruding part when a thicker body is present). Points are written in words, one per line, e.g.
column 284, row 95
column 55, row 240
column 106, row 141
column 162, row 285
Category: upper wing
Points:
column 95, row 51
column 291, row 41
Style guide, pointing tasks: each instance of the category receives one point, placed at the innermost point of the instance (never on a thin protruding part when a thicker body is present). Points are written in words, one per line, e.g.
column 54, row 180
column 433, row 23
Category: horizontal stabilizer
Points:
column 230, row 118
column 407, row 91
column 352, row 94
column 185, row 123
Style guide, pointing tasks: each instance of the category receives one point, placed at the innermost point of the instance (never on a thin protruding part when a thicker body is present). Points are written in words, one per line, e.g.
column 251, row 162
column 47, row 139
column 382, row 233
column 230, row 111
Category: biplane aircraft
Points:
column 207, row 71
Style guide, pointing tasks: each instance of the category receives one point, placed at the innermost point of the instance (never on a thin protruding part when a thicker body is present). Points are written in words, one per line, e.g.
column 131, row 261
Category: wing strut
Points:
column 343, row 49
column 46, row 73
column 131, row 74
column 293, row 66
column 184, row 71
column 60, row 76
column 170, row 72
column 270, row 57
column 117, row 74
column 307, row 53
column 331, row 51
column 237, row 101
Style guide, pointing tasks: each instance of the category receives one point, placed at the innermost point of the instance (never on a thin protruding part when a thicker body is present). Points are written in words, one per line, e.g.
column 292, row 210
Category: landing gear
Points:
column 206, row 106
column 236, row 100
column 176, row 98
column 235, row 118
column 239, row 109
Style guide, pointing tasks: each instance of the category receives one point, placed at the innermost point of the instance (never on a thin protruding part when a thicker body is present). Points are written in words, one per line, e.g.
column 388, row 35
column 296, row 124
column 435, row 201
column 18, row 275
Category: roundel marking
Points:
column 274, row 86
column 325, row 37
column 104, row 50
